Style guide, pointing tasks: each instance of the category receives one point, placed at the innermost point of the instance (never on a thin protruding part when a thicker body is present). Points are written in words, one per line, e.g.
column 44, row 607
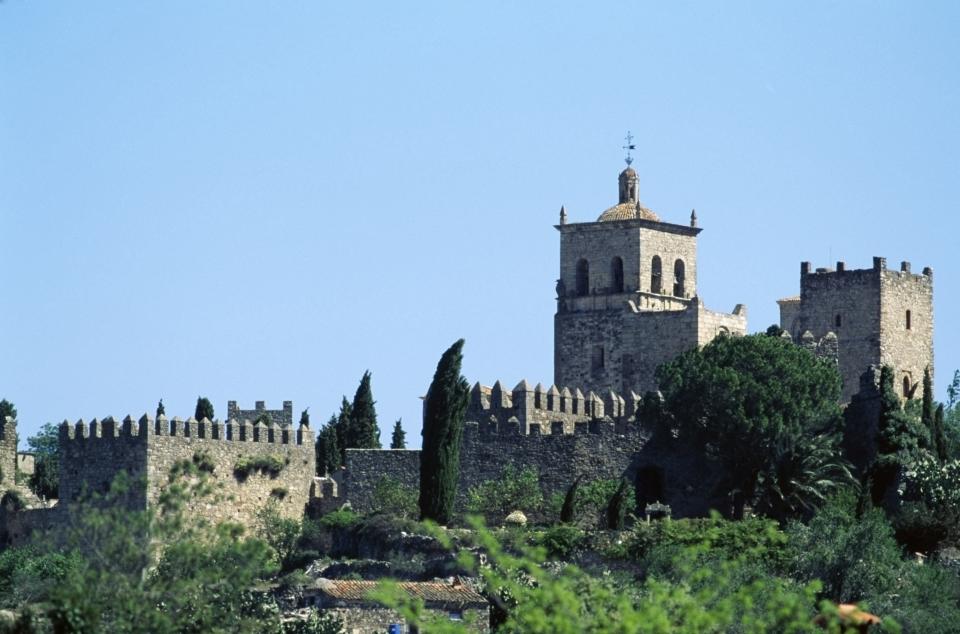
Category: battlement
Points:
column 878, row 269
column 146, row 427
column 494, row 429
column 537, row 406
column 278, row 416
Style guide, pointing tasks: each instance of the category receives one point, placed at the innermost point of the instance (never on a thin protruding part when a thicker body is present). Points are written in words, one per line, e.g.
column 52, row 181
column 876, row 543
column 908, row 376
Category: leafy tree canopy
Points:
column 204, row 409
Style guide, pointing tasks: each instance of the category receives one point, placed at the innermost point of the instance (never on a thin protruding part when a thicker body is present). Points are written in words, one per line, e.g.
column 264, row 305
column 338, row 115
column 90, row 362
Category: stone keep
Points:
column 872, row 317
column 627, row 297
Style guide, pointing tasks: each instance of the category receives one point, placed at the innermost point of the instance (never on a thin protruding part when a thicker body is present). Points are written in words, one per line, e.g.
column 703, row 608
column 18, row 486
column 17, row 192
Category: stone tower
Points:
column 627, row 297
column 879, row 317
column 8, row 452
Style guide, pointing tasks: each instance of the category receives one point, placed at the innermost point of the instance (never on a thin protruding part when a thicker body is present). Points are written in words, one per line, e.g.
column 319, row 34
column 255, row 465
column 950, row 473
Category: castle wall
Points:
column 8, row 452
column 596, row 449
column 908, row 350
column 94, row 453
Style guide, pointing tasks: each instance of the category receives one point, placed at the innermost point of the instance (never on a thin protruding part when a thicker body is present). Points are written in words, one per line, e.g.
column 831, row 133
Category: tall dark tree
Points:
column 898, row 439
column 329, row 457
column 305, row 417
column 940, row 435
column 161, row 411
column 928, row 408
column 342, row 427
column 568, row 512
column 7, row 409
column 204, row 408
column 363, row 432
column 617, row 508
column 444, row 410
column 399, row 439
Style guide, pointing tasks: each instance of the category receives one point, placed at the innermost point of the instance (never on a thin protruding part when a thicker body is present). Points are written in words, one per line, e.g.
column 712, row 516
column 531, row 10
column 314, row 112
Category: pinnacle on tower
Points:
column 563, row 215
column 693, row 218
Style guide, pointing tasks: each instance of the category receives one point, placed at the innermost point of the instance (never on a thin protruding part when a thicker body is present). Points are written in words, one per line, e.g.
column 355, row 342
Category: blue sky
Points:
column 259, row 201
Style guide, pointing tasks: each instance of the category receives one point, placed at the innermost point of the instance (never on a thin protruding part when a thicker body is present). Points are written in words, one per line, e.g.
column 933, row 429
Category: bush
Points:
column 204, row 461
column 392, row 497
column 562, row 541
column 343, row 518
column 270, row 464
column 514, row 491
column 12, row 501
column 278, row 493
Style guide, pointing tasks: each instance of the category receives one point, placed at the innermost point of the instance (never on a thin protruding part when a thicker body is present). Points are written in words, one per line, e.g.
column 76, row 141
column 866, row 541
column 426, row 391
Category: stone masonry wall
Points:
column 866, row 310
column 908, row 350
column 146, row 449
column 8, row 452
column 596, row 449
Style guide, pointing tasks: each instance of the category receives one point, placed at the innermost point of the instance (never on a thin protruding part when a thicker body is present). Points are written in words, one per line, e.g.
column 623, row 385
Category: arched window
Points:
column 906, row 387
column 837, row 321
column 909, row 324
column 678, row 278
column 583, row 278
column 656, row 275
column 616, row 274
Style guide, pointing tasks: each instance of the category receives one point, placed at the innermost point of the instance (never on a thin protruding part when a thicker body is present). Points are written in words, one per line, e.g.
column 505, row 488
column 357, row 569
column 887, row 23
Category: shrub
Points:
column 392, row 497
column 270, row 464
column 278, row 493
column 343, row 518
column 514, row 491
column 12, row 501
column 204, row 461
column 562, row 541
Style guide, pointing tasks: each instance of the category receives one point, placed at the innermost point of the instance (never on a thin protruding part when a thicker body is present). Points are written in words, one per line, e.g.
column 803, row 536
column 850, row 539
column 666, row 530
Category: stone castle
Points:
column 627, row 301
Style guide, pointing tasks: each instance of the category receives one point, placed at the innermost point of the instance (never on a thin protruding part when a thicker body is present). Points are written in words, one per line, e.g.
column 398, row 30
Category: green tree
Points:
column 343, row 428
column 161, row 411
column 940, row 435
column 7, row 409
column 204, row 409
column 737, row 398
column 363, row 431
column 305, row 417
column 399, row 438
column 928, row 408
column 900, row 440
column 328, row 451
column 445, row 407
column 515, row 490
column 45, row 445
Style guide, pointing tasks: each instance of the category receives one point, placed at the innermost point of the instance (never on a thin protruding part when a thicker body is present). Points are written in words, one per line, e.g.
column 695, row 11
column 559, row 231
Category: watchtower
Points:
column 627, row 296
column 879, row 317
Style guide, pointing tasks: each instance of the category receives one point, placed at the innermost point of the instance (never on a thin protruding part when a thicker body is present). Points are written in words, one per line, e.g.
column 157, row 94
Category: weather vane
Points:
column 628, row 147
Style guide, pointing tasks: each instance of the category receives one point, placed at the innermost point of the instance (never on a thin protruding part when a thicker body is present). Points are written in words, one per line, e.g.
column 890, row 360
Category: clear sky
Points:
column 259, row 201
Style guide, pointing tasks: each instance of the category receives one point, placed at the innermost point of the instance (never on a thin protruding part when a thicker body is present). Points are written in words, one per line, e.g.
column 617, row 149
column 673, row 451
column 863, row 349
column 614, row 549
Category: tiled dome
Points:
column 628, row 211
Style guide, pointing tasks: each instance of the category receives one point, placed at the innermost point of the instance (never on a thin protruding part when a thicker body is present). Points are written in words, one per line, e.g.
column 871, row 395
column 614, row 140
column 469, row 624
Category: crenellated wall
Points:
column 93, row 453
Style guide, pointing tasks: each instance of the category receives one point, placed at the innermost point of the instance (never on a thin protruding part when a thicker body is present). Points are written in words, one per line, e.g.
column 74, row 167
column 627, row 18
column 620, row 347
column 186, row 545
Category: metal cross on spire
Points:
column 629, row 147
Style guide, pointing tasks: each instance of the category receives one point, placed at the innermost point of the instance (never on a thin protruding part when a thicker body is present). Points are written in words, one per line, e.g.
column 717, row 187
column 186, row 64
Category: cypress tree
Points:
column 617, row 509
column 305, row 417
column 568, row 512
column 342, row 427
column 399, row 439
column 897, row 438
column 939, row 435
column 328, row 452
column 927, row 412
column 363, row 432
column 160, row 410
column 444, row 409
column 204, row 409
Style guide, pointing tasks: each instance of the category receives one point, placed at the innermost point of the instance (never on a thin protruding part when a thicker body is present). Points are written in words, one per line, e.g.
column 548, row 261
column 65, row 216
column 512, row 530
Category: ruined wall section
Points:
column 906, row 343
column 8, row 452
column 277, row 416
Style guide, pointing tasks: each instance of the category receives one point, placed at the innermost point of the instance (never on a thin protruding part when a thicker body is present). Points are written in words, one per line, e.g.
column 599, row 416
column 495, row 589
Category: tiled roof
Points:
column 628, row 211
column 348, row 590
